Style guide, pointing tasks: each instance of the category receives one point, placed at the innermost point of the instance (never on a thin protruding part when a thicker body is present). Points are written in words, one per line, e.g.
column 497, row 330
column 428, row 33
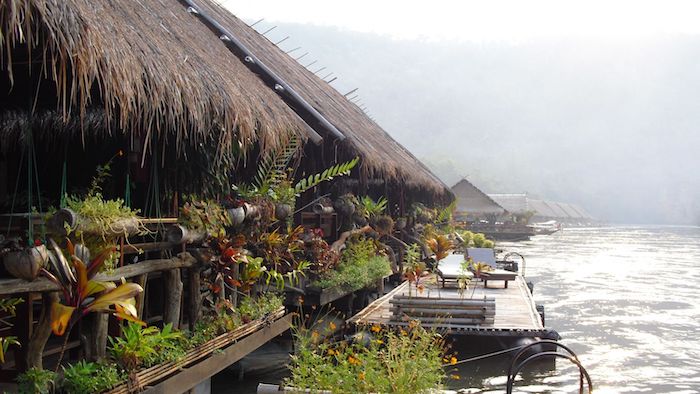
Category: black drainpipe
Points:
column 305, row 111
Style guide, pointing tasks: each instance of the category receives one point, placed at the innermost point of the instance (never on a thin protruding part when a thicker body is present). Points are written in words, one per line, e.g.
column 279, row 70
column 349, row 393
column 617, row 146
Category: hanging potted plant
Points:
column 284, row 196
column 199, row 220
column 26, row 263
column 346, row 204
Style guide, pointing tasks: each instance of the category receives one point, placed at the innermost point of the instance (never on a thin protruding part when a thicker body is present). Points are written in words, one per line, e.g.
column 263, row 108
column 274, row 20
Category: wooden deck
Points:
column 516, row 313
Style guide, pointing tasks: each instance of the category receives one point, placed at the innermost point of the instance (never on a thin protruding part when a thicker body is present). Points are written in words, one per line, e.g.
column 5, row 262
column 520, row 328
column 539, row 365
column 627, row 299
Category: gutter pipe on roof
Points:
column 293, row 99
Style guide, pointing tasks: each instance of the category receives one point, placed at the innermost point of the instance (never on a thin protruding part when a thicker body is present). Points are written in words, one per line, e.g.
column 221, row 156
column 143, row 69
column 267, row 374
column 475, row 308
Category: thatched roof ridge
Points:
column 155, row 66
column 381, row 155
column 471, row 200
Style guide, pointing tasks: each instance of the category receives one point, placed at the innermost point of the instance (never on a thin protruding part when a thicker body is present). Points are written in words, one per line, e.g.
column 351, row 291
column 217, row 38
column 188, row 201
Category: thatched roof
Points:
column 158, row 67
column 472, row 201
column 155, row 67
column 544, row 209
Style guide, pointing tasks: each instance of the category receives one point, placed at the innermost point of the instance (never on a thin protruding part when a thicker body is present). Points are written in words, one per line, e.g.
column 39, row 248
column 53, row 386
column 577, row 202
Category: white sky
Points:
column 485, row 20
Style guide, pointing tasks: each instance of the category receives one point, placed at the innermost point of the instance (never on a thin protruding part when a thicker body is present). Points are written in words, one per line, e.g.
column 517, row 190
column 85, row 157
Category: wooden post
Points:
column 23, row 329
column 173, row 297
column 40, row 334
column 195, row 296
column 141, row 280
column 96, row 337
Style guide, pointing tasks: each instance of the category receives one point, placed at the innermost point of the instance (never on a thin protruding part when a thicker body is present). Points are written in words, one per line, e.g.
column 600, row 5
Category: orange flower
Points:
column 332, row 326
column 352, row 360
column 454, row 377
column 453, row 360
column 376, row 328
column 331, row 352
column 361, row 375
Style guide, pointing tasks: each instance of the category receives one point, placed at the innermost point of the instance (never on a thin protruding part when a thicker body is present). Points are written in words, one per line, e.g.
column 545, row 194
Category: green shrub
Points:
column 361, row 264
column 145, row 346
column 88, row 377
column 355, row 275
column 407, row 361
column 36, row 381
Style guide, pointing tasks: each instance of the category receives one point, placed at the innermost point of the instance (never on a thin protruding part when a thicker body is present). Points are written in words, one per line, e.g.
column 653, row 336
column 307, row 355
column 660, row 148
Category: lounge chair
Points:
column 450, row 269
column 488, row 257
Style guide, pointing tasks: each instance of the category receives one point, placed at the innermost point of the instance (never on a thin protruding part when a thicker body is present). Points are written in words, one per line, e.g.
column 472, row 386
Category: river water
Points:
column 625, row 299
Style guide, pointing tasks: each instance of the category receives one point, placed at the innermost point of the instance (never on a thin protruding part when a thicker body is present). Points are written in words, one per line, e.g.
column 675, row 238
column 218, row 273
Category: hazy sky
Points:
column 592, row 102
column 509, row 20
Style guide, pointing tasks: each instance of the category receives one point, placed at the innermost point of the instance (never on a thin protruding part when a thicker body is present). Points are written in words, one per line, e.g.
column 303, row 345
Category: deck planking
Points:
column 516, row 313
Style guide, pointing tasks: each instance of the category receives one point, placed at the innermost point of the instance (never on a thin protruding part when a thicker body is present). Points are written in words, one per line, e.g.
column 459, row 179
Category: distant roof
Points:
column 519, row 203
column 471, row 200
column 514, row 203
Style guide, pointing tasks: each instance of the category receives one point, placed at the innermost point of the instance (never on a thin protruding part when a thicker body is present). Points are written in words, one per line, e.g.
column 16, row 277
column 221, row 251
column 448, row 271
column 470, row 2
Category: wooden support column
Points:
column 194, row 301
column 141, row 280
column 96, row 337
column 40, row 334
column 173, row 297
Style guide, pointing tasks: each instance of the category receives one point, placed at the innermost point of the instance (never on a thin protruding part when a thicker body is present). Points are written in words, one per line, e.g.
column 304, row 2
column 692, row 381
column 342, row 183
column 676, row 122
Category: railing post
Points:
column 173, row 297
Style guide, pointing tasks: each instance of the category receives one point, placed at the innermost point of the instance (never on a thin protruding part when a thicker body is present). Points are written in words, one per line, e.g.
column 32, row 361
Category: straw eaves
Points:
column 156, row 67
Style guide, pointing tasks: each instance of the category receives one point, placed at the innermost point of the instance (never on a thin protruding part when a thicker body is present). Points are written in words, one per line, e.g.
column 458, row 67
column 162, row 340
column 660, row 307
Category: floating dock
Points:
column 515, row 315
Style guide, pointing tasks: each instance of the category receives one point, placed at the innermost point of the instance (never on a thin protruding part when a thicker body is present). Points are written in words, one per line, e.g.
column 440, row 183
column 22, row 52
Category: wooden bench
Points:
column 448, row 311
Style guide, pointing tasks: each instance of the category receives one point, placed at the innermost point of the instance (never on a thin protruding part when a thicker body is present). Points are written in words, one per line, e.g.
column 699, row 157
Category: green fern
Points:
column 445, row 214
column 272, row 169
column 328, row 174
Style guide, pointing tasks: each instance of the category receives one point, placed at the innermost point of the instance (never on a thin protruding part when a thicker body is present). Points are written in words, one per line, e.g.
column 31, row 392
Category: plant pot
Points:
column 178, row 234
column 282, row 211
column 359, row 220
column 400, row 223
column 61, row 219
column 237, row 215
column 319, row 208
column 252, row 212
column 344, row 207
column 26, row 264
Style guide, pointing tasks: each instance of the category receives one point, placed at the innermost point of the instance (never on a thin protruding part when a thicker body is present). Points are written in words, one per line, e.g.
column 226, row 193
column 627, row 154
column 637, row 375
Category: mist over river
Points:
column 625, row 299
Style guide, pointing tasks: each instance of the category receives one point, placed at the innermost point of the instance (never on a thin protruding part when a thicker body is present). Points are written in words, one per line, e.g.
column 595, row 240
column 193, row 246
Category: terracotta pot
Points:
column 282, row 211
column 237, row 215
column 26, row 264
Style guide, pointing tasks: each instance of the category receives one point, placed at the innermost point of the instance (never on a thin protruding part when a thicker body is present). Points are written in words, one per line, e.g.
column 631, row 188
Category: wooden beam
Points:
column 17, row 286
column 190, row 377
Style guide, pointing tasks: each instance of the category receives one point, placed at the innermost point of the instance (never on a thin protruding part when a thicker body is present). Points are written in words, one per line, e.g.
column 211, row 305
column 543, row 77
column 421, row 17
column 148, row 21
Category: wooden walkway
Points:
column 516, row 313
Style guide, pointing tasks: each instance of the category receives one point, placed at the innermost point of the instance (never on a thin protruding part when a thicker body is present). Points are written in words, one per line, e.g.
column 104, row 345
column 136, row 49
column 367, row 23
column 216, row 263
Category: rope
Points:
column 14, row 195
column 38, row 193
column 30, row 230
column 64, row 179
column 485, row 356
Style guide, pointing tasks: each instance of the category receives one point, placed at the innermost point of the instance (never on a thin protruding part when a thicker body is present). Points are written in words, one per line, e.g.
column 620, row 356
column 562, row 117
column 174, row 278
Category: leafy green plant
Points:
column 8, row 305
column 36, row 381
column 143, row 346
column 369, row 208
column 252, row 308
column 413, row 267
column 328, row 174
column 206, row 216
column 89, row 377
column 405, row 361
column 360, row 265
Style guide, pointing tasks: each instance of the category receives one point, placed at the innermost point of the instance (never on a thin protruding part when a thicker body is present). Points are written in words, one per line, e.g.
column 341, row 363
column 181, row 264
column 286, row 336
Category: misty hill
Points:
column 610, row 126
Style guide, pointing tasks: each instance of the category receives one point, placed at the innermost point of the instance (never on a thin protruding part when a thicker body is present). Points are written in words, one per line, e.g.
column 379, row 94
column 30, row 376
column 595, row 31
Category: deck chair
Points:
column 450, row 269
column 487, row 256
